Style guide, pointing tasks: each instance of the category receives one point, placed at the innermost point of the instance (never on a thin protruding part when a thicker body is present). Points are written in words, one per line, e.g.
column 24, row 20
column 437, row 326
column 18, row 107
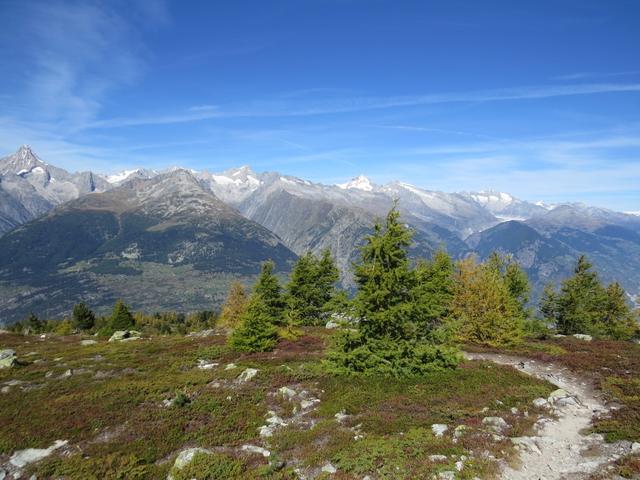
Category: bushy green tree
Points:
column 389, row 339
column 256, row 333
column 33, row 324
column 584, row 305
column 484, row 310
column 311, row 287
column 82, row 318
column 434, row 290
column 121, row 318
column 269, row 289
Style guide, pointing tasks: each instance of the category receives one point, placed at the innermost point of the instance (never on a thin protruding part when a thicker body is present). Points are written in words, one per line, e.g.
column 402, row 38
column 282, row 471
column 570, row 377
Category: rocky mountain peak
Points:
column 358, row 183
column 22, row 162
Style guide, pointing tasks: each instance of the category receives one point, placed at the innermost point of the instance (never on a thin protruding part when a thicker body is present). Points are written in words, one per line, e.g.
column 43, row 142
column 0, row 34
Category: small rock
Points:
column 124, row 335
column 438, row 458
column 247, row 375
column 230, row 366
column 185, row 457
column 540, row 402
column 341, row 416
column 526, row 443
column 459, row 465
column 331, row 324
column 22, row 458
column 514, row 411
column 566, row 401
column 447, row 475
column 287, row 392
column 496, row 423
column 7, row 358
column 438, row 429
column 581, row 336
column 203, row 333
column 635, row 447
column 205, row 365
column 87, row 342
column 459, row 431
column 255, row 449
column 329, row 468
column 305, row 404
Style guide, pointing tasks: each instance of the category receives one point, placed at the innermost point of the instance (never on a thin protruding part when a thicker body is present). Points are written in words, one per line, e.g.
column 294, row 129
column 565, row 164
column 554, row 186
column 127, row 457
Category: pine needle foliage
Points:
column 395, row 336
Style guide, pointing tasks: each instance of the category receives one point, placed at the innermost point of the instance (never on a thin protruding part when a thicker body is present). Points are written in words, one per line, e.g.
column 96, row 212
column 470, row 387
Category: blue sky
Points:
column 540, row 98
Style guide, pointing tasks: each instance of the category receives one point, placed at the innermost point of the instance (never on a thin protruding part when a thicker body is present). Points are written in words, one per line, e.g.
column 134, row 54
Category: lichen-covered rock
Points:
column 247, row 375
column 124, row 335
column 7, row 358
column 84, row 343
column 496, row 423
column 22, row 458
column 581, row 336
column 184, row 458
column 438, row 429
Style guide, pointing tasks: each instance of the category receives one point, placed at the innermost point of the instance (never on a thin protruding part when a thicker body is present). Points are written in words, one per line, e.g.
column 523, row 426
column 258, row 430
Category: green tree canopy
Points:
column 256, row 333
column 82, row 317
column 121, row 318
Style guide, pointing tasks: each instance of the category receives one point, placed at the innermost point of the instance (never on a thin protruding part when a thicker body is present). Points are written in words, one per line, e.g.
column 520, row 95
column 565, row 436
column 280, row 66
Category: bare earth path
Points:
column 560, row 449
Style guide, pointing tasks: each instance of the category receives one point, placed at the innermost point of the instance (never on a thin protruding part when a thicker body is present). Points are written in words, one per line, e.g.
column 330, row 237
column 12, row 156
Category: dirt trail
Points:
column 560, row 449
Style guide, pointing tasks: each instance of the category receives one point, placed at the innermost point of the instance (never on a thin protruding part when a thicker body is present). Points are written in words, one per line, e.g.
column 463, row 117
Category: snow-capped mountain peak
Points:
column 496, row 199
column 358, row 183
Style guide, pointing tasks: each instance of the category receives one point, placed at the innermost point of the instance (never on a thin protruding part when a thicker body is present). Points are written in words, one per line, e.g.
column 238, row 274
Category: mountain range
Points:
column 175, row 239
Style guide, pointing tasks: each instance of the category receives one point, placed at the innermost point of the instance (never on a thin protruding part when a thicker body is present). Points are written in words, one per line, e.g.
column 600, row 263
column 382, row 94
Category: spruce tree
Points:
column 83, row 318
column 388, row 340
column 580, row 300
column 256, row 333
column 311, row 287
column 617, row 320
column 434, row 290
column 121, row 318
column 269, row 290
column 234, row 306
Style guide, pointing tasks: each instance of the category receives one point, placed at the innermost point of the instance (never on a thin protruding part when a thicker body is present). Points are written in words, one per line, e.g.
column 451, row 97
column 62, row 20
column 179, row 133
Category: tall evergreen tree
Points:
column 434, row 290
column 579, row 300
column 121, row 318
column 82, row 317
column 617, row 319
column 388, row 340
column 311, row 287
column 234, row 306
column 269, row 289
column 256, row 333
column 514, row 277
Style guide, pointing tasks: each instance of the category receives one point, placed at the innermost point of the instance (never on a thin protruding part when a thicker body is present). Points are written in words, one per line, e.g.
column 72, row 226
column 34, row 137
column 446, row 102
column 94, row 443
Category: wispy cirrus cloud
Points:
column 284, row 107
column 593, row 75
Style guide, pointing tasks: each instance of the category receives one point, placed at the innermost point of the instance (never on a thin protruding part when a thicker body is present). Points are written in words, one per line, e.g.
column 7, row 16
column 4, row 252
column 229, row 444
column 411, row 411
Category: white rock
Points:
column 459, row 431
column 22, row 458
column 540, row 402
column 438, row 429
column 447, row 475
column 247, row 375
column 496, row 423
column 305, row 404
column 87, row 342
column 266, row 431
column 635, row 447
column 206, row 365
column 124, row 335
column 287, row 392
column 526, row 443
column 185, row 457
column 255, row 449
column 341, row 416
column 438, row 458
column 230, row 366
column 514, row 411
column 329, row 468
column 581, row 336
column 7, row 358
column 459, row 465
